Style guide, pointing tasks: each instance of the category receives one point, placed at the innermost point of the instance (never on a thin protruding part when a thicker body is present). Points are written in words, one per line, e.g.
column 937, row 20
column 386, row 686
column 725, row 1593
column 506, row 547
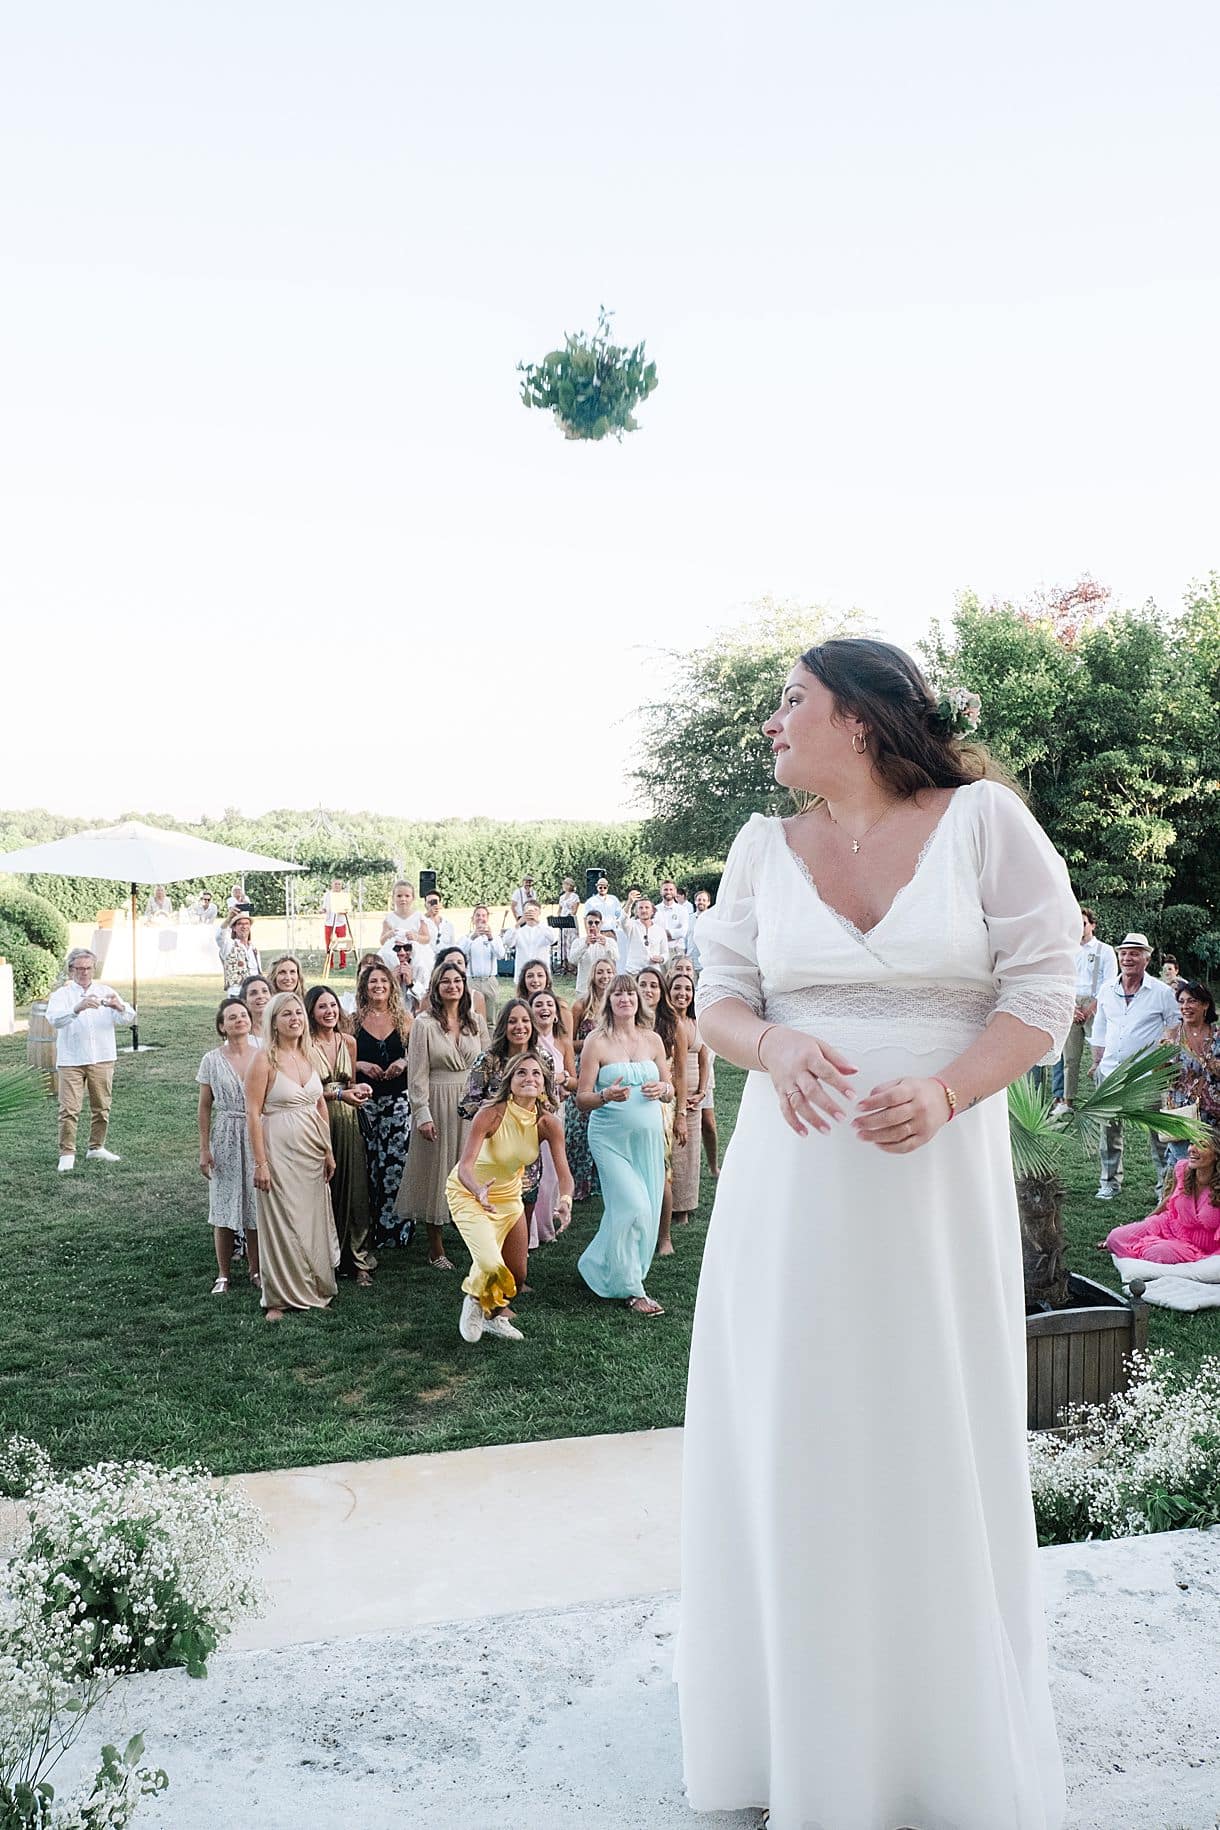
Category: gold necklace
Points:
column 857, row 843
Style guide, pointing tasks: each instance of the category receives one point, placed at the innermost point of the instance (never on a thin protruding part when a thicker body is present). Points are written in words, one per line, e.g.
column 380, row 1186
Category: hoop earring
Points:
column 863, row 750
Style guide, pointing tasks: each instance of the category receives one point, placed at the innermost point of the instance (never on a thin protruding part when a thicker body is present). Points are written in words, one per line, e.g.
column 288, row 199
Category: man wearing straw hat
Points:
column 1133, row 1012
column 84, row 1017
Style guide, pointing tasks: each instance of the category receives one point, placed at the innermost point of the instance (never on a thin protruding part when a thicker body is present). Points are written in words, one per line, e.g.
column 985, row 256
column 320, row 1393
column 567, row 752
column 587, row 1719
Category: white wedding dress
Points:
column 862, row 1644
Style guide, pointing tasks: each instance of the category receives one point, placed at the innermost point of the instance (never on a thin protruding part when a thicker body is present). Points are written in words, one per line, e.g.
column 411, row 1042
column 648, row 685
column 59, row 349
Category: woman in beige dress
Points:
column 447, row 1038
column 687, row 1150
column 293, row 1164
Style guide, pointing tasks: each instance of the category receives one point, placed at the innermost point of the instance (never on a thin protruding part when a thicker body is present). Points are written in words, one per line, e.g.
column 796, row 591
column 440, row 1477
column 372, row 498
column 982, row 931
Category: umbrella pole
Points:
column 135, row 1028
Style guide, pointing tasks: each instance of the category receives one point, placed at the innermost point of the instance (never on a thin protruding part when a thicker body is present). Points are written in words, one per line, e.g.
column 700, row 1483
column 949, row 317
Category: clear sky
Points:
column 932, row 291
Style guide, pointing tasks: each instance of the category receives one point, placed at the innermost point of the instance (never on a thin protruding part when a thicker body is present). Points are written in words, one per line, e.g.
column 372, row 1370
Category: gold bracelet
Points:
column 763, row 1034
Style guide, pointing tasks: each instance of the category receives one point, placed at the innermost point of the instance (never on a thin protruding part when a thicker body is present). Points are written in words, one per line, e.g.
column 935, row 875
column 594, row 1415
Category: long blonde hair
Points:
column 269, row 1018
column 593, row 1008
column 623, row 981
column 285, row 959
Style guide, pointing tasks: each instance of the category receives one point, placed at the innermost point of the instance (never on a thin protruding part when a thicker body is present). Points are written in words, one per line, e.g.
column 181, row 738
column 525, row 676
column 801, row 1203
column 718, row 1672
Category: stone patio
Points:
column 388, row 1685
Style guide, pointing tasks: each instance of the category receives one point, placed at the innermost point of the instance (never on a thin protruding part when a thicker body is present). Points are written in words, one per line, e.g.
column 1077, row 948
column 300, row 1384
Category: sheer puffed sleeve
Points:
column 728, row 933
column 1032, row 916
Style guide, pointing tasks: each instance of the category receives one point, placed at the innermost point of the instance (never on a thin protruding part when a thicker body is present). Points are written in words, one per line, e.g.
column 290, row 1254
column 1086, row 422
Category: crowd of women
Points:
column 335, row 1125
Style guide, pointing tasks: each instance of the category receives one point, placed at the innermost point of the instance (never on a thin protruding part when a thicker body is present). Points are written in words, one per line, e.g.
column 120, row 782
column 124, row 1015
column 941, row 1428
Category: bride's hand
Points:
column 802, row 1071
column 901, row 1115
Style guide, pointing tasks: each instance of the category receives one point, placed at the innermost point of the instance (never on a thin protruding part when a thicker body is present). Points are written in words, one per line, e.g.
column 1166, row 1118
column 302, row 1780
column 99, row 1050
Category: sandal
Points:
column 363, row 1281
column 220, row 1287
column 442, row 1263
column 644, row 1305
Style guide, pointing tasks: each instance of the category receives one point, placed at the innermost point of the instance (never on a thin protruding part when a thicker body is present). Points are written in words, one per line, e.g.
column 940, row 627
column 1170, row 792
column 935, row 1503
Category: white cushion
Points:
column 1175, row 1286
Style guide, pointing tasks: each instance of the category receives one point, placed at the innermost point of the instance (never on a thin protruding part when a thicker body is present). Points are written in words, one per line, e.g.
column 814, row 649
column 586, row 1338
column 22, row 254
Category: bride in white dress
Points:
column 862, row 1644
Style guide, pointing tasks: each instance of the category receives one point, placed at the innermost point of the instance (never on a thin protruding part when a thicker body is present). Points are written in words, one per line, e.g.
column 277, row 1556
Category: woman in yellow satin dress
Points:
column 484, row 1192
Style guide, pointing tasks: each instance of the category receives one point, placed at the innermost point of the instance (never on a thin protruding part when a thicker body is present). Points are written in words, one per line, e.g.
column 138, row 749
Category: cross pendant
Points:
column 855, row 844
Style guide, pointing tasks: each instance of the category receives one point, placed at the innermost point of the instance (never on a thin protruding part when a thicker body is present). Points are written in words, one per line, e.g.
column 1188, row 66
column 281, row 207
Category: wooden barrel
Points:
column 1078, row 1355
column 40, row 1041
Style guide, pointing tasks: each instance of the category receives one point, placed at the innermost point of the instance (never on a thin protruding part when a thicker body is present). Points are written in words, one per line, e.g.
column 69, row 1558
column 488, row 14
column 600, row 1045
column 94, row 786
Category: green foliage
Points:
column 707, row 765
column 34, row 969
column 1112, row 726
column 21, row 1092
column 174, row 1632
column 1132, row 1094
column 39, row 920
column 475, row 860
column 591, row 385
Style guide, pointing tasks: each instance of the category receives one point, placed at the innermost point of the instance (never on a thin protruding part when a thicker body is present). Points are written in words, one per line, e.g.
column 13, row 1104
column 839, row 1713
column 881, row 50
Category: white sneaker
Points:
column 471, row 1323
column 1106, row 1192
column 66, row 1163
column 102, row 1155
column 500, row 1324
column 1059, row 1108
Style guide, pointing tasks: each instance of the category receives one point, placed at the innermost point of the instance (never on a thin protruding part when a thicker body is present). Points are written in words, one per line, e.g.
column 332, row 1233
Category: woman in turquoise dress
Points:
column 622, row 1086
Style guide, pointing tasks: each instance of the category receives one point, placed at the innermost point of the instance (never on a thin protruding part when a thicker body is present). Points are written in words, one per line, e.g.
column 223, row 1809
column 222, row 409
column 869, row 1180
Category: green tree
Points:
column 707, row 767
column 1109, row 722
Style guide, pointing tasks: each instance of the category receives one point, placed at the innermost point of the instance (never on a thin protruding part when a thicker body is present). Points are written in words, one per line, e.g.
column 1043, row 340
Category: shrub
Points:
column 127, row 1567
column 34, row 969
column 1148, row 1459
column 38, row 919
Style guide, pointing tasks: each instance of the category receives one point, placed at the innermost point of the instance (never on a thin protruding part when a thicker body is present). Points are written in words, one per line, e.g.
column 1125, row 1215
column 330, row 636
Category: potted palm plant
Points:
column 1078, row 1332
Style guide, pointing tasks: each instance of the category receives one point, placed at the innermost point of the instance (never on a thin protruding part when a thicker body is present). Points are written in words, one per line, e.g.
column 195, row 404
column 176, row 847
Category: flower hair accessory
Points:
column 957, row 712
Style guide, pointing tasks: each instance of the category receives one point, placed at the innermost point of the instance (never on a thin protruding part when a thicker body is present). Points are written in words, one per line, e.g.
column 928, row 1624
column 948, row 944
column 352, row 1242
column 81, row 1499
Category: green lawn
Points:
column 112, row 1345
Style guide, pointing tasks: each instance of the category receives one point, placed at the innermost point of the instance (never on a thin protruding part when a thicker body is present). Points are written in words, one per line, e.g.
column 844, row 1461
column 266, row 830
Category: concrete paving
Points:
column 368, row 1547
column 487, row 1698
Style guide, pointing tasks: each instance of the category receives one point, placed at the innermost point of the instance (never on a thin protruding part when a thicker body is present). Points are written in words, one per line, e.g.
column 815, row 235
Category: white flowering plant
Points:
column 24, row 1464
column 959, row 711
column 154, row 1560
column 127, row 1567
column 1146, row 1460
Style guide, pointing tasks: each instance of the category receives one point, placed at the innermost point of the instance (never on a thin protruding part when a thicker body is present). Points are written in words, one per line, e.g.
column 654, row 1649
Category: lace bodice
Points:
column 987, row 923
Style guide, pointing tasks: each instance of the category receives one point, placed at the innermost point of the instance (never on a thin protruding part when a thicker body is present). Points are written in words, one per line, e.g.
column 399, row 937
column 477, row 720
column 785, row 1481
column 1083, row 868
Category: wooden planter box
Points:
column 1079, row 1355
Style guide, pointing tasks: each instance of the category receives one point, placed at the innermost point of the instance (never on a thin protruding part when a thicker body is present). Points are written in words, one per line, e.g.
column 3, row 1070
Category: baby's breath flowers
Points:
column 126, row 1567
column 1146, row 1460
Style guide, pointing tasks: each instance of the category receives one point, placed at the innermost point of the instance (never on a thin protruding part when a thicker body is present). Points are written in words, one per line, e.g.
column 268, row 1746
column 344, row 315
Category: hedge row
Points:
column 475, row 860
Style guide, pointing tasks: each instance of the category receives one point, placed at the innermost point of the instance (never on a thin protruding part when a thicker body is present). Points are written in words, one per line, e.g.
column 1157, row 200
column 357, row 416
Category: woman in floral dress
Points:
column 587, row 1013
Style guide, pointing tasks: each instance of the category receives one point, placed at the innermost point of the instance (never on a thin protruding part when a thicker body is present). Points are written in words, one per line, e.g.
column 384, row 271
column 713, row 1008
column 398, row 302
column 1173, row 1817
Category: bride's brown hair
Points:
column 910, row 744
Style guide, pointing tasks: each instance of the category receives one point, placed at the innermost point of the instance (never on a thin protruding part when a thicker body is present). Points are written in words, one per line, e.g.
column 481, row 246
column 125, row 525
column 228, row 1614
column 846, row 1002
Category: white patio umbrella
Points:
column 134, row 853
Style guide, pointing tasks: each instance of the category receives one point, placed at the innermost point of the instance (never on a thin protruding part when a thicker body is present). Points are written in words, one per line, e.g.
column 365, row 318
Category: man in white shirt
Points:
column 703, row 903
column 1133, row 1011
column 445, row 936
column 644, row 941
column 607, row 906
column 83, row 1016
column 532, row 939
column 524, row 892
column 203, row 908
column 483, row 949
column 675, row 917
column 1096, row 965
column 595, row 944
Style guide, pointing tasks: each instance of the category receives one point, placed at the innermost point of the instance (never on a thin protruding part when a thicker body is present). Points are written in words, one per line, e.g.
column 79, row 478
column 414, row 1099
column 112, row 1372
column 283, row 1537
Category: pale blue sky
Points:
column 932, row 292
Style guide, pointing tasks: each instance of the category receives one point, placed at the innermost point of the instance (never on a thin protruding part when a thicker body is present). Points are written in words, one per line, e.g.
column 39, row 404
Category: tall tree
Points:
column 706, row 766
column 1109, row 722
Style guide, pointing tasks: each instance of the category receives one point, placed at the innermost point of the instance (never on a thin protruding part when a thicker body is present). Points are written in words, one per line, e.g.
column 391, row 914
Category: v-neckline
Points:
column 865, row 935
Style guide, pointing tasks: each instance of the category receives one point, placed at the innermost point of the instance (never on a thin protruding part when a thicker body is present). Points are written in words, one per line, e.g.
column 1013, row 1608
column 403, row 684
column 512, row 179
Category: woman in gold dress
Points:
column 293, row 1165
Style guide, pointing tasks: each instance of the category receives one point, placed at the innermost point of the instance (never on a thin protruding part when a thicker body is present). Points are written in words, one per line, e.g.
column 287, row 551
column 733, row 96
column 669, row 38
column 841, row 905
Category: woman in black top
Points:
column 382, row 1028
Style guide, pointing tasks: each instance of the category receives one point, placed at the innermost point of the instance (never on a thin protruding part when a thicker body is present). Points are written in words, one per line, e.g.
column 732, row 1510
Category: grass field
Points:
column 112, row 1346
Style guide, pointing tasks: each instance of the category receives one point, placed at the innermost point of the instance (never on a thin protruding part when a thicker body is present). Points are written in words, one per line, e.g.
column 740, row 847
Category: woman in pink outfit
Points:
column 1186, row 1226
